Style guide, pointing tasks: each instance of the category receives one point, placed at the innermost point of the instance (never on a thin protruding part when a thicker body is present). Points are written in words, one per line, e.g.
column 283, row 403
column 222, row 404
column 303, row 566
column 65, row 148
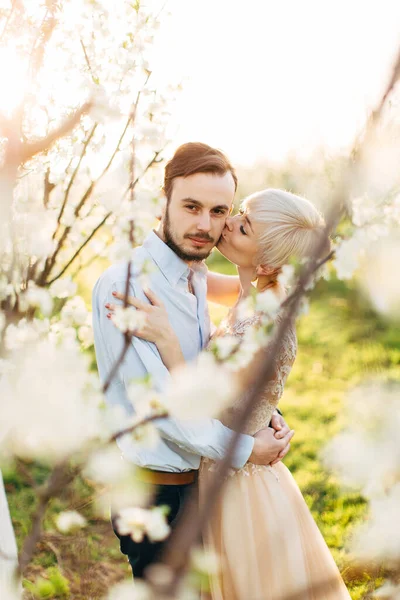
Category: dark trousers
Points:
column 142, row 554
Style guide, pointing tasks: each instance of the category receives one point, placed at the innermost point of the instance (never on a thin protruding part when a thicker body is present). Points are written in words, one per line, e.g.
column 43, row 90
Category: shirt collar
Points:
column 167, row 261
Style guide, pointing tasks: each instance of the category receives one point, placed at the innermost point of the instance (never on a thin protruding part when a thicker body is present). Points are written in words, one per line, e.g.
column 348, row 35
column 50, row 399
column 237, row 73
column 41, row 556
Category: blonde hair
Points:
column 291, row 226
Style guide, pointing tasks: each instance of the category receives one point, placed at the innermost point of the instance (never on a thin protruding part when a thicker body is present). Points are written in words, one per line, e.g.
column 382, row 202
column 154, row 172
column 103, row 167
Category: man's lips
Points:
column 199, row 241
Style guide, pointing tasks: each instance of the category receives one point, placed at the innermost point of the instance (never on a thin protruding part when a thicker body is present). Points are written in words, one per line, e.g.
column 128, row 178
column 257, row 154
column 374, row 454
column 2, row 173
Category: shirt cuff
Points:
column 243, row 451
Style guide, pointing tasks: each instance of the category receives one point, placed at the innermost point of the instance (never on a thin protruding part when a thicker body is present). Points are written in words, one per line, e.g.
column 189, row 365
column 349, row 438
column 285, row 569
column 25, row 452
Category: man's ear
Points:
column 163, row 208
column 267, row 270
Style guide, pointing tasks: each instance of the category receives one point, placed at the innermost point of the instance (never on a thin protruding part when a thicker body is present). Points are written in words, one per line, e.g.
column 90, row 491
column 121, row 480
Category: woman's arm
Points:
column 155, row 327
column 222, row 289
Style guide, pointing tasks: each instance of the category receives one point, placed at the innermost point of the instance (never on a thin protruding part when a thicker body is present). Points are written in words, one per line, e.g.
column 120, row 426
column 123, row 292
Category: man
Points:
column 199, row 186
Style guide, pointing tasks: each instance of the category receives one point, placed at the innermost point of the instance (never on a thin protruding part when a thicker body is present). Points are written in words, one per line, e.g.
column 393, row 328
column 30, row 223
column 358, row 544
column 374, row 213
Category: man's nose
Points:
column 204, row 223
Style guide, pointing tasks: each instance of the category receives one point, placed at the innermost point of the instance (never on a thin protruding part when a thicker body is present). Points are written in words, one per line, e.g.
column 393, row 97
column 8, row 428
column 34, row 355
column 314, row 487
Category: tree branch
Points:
column 73, row 176
column 59, row 478
column 74, row 257
column 29, row 150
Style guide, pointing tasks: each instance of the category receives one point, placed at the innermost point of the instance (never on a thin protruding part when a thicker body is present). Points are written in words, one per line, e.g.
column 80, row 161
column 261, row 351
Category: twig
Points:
column 73, row 176
column 59, row 478
column 48, row 188
column 132, row 428
column 69, row 263
column 87, row 61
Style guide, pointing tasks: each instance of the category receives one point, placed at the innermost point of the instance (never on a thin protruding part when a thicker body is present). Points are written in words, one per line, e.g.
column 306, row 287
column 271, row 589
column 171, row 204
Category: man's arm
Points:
column 205, row 437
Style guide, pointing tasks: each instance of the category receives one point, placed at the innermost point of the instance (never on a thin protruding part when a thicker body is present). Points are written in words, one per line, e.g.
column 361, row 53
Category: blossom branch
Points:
column 132, row 428
column 193, row 519
column 29, row 150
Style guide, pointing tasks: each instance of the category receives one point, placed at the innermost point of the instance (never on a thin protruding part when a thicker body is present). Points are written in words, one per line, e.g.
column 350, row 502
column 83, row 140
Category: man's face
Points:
column 195, row 214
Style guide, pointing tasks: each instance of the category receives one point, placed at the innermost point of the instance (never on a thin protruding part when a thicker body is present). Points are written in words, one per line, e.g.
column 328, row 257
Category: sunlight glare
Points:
column 12, row 81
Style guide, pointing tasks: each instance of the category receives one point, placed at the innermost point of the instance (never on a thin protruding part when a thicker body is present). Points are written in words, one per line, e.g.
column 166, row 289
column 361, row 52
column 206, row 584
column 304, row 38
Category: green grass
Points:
column 341, row 341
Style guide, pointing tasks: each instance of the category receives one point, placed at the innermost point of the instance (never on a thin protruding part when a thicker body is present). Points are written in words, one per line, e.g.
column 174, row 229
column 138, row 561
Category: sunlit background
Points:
column 265, row 78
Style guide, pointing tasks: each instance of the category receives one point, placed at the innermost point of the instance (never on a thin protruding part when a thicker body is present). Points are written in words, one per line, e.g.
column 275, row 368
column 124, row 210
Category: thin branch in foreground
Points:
column 73, row 176
column 81, row 247
column 59, row 478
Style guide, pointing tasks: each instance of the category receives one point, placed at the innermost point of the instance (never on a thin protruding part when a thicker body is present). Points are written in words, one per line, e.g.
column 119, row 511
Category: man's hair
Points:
column 195, row 157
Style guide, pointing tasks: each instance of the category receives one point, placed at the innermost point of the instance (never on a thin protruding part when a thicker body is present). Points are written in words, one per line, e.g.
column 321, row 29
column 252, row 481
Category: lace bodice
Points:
column 268, row 401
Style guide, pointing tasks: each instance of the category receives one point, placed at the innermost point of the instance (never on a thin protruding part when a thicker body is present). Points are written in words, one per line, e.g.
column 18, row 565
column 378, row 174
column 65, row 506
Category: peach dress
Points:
column 268, row 542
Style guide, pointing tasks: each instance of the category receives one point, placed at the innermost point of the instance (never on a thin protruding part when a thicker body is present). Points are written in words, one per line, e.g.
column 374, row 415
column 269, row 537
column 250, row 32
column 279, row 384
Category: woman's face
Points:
column 239, row 240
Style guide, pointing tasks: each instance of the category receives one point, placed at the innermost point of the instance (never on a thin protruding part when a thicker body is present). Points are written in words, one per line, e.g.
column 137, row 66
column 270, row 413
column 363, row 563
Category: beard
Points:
column 170, row 240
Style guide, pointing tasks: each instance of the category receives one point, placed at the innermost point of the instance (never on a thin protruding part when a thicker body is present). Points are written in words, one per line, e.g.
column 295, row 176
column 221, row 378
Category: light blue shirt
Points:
column 182, row 443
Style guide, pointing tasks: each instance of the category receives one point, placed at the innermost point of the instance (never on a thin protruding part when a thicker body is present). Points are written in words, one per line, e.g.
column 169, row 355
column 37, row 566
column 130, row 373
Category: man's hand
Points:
column 281, row 429
column 267, row 448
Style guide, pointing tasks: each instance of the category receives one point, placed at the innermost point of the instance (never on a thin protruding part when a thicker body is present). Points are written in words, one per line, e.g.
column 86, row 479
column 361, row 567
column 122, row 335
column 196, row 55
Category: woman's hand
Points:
column 155, row 326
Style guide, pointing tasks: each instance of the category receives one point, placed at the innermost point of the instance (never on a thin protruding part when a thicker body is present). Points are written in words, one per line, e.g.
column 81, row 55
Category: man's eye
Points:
column 242, row 230
column 219, row 211
column 191, row 206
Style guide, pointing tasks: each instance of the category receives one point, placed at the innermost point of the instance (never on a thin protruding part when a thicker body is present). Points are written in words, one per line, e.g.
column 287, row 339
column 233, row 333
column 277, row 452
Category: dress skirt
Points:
column 269, row 545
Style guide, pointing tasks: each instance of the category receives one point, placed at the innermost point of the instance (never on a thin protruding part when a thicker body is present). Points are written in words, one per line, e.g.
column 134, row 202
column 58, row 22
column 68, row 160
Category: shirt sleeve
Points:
column 203, row 437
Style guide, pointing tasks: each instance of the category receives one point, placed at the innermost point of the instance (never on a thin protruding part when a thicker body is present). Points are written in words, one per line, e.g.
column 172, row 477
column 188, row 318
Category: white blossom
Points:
column 267, row 302
column 137, row 590
column 367, row 453
column 70, row 520
column 378, row 276
column 145, row 399
column 347, row 257
column 74, row 312
column 19, row 336
column 86, row 335
column 388, row 591
column 245, row 309
column 286, row 275
column 146, row 436
column 214, row 389
column 53, row 403
column 205, row 561
column 107, row 466
column 138, row 522
column 379, row 538
column 224, row 346
column 128, row 319
column 36, row 297
column 61, row 335
column 63, row 288
column 121, row 250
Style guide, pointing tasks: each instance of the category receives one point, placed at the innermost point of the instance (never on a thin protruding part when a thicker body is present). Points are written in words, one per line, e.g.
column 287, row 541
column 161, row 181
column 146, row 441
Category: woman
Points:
column 269, row 544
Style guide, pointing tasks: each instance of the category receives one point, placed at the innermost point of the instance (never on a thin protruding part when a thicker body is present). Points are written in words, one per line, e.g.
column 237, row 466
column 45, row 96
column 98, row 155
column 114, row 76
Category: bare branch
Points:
column 132, row 428
column 73, row 176
column 69, row 263
column 87, row 61
column 29, row 150
column 59, row 478
column 48, row 188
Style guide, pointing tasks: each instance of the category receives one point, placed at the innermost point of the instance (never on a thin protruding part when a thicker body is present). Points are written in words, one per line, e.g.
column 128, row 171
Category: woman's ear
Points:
column 267, row 270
